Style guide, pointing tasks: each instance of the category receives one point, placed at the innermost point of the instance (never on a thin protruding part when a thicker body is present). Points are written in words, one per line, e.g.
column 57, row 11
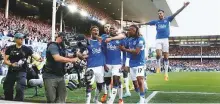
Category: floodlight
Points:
column 72, row 8
column 84, row 13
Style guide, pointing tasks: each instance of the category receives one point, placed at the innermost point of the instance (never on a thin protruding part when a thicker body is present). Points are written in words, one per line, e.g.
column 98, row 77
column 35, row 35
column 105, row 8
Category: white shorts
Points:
column 98, row 74
column 127, row 62
column 136, row 72
column 162, row 44
column 114, row 70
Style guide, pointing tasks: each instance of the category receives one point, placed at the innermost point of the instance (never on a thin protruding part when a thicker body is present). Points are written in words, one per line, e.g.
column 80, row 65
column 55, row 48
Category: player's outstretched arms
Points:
column 141, row 24
column 181, row 9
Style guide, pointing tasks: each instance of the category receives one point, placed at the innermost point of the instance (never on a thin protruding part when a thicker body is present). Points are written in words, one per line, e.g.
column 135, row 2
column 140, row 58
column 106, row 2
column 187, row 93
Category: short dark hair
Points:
column 92, row 27
column 161, row 10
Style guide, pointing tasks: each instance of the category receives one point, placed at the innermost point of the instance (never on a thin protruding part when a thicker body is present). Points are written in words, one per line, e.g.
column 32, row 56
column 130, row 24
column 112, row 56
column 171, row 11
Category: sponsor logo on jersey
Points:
column 161, row 26
column 111, row 46
column 96, row 50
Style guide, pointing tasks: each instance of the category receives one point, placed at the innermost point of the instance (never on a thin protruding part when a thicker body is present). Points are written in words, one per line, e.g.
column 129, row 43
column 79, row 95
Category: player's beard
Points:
column 161, row 17
column 112, row 34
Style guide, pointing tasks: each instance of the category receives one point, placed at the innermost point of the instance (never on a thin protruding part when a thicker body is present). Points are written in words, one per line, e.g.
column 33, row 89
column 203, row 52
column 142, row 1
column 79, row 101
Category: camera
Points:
column 75, row 43
column 20, row 64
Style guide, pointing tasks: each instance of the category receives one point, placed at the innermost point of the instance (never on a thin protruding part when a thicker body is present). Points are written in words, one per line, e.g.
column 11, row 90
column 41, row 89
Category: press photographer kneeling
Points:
column 15, row 57
column 54, row 71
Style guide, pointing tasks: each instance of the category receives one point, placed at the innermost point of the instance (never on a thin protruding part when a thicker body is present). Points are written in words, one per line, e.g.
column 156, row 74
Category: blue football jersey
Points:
column 139, row 59
column 113, row 53
column 162, row 27
column 125, row 43
column 104, row 36
column 96, row 56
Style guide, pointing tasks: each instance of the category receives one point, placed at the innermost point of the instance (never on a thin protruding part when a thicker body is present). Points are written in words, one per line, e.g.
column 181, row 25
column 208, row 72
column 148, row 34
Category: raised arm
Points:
column 148, row 23
column 181, row 9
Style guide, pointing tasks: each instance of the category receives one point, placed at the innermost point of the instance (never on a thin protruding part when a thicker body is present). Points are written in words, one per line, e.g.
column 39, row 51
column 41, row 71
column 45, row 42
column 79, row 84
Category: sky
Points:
column 201, row 17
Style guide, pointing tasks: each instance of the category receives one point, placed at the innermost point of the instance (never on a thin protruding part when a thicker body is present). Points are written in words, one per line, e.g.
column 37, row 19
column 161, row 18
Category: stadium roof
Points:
column 195, row 40
column 134, row 10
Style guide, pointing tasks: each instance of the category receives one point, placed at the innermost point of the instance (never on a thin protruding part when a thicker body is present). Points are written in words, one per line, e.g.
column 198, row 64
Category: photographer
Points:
column 15, row 57
column 53, row 71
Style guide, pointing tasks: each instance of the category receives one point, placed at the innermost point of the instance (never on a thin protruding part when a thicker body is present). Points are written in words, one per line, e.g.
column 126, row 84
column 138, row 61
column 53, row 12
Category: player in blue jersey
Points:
column 95, row 62
column 126, row 68
column 114, row 64
column 106, row 38
column 126, row 58
column 106, row 30
column 107, row 80
column 162, row 37
column 106, row 34
column 137, row 59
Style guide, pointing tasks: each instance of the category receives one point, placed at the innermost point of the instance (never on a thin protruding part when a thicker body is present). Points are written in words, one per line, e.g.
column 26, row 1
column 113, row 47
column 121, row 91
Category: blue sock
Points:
column 142, row 94
column 137, row 90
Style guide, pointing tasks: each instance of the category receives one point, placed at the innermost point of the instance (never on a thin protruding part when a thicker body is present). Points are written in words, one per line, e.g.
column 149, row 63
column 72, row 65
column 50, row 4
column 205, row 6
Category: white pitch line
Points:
column 184, row 85
column 151, row 96
column 175, row 92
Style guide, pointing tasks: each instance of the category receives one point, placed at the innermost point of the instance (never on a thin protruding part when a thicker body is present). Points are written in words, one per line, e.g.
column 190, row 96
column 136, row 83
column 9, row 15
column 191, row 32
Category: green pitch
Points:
column 182, row 87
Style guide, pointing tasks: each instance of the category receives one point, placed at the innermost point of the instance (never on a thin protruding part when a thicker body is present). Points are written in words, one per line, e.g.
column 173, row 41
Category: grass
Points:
column 185, row 98
column 178, row 82
column 186, row 81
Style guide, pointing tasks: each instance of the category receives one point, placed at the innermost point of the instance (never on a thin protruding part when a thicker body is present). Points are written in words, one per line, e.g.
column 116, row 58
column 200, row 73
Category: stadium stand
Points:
column 196, row 64
column 195, row 53
column 34, row 29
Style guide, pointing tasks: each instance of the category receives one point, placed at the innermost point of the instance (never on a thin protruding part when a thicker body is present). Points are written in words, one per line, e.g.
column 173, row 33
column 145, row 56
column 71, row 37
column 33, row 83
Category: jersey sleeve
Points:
column 103, row 47
column 140, row 43
column 121, row 42
column 170, row 18
column 152, row 22
column 124, row 43
column 123, row 53
column 53, row 49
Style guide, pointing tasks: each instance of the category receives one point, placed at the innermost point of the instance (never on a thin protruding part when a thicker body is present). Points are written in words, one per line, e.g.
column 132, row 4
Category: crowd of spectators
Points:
column 34, row 29
column 195, row 64
column 176, row 65
column 194, row 51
